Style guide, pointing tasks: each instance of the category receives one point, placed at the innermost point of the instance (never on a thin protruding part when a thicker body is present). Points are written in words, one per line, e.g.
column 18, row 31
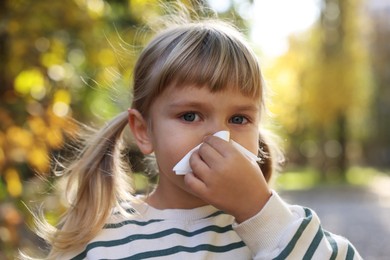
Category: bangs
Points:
column 214, row 58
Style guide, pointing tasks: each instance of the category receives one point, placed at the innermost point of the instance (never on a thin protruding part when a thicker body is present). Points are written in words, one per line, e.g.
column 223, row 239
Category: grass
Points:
column 307, row 178
column 297, row 179
column 361, row 176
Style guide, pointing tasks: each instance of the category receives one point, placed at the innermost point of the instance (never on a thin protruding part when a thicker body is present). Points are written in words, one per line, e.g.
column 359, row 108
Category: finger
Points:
column 196, row 186
column 221, row 146
column 199, row 168
column 208, row 154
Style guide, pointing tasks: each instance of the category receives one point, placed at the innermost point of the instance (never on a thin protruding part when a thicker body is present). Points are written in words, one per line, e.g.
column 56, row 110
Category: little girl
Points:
column 191, row 81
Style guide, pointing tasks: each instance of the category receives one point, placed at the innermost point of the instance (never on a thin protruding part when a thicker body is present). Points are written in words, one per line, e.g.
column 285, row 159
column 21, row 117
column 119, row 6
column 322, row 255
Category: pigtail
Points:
column 272, row 159
column 97, row 181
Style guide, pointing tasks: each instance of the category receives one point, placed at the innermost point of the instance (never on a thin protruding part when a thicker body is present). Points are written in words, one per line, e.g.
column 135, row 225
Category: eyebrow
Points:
column 198, row 104
column 251, row 108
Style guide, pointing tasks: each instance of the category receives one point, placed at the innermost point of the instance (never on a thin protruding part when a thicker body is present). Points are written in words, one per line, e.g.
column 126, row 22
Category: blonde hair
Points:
column 210, row 54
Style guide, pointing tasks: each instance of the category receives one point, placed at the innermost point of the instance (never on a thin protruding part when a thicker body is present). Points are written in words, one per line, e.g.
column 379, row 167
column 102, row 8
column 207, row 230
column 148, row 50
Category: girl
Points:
column 191, row 81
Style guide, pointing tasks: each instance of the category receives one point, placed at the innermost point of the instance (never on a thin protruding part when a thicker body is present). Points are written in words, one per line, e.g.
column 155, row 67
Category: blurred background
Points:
column 326, row 64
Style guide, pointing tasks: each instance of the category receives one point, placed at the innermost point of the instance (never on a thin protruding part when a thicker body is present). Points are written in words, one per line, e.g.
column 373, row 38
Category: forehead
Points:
column 195, row 95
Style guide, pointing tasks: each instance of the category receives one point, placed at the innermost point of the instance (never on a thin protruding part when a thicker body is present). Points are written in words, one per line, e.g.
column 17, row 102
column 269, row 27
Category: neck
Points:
column 167, row 198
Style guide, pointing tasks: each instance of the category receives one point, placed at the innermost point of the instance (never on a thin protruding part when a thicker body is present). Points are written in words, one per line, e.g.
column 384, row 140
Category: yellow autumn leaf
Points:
column 54, row 138
column 106, row 57
column 19, row 137
column 39, row 159
column 29, row 81
column 66, row 124
column 63, row 96
column 14, row 186
column 37, row 126
column 50, row 59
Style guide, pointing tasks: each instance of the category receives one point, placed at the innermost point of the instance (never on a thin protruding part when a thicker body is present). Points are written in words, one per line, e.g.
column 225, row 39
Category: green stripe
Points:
column 178, row 249
column 215, row 214
column 350, row 253
column 297, row 235
column 314, row 244
column 131, row 222
column 157, row 235
column 333, row 244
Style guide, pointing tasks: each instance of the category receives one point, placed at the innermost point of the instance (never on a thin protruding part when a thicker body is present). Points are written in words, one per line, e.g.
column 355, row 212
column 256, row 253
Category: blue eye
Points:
column 238, row 120
column 189, row 117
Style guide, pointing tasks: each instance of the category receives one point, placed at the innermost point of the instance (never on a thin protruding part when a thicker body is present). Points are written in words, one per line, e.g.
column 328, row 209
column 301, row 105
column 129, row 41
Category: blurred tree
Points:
column 59, row 60
column 325, row 86
column 378, row 146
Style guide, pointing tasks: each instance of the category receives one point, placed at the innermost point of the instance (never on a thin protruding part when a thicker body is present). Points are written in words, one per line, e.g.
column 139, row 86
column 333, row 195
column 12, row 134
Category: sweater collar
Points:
column 150, row 212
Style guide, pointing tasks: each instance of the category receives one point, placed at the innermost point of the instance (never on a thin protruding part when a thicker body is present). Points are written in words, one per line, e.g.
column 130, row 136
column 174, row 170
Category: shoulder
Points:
column 291, row 232
column 123, row 218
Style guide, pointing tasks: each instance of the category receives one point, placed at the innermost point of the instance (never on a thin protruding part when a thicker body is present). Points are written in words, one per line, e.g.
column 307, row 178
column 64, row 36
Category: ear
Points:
column 139, row 128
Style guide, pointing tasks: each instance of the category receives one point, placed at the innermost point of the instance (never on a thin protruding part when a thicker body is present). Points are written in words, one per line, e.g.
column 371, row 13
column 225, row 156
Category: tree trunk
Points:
column 333, row 22
column 4, row 81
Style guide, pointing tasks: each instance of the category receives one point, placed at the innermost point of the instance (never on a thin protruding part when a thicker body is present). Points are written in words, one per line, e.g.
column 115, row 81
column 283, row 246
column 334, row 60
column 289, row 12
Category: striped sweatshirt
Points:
column 278, row 231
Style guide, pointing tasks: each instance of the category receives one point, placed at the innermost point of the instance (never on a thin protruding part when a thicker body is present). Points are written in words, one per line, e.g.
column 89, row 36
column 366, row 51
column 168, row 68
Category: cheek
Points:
column 249, row 140
column 168, row 152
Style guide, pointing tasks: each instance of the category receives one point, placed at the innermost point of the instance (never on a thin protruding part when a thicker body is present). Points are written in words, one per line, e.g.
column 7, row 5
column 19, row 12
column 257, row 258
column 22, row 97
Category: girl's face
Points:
column 180, row 118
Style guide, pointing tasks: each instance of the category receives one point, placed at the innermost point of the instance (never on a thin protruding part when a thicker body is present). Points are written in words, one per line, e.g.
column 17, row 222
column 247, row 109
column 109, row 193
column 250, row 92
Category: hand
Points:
column 227, row 179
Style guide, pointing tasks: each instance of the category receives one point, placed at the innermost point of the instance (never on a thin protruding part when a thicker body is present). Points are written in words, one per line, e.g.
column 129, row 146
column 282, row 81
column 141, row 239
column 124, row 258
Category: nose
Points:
column 216, row 126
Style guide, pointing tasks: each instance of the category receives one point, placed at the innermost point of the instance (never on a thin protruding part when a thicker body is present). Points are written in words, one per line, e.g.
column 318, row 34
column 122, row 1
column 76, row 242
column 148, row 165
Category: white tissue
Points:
column 183, row 166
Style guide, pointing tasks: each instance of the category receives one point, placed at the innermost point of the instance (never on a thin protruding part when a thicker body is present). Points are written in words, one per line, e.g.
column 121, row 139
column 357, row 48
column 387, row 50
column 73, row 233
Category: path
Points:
column 362, row 214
